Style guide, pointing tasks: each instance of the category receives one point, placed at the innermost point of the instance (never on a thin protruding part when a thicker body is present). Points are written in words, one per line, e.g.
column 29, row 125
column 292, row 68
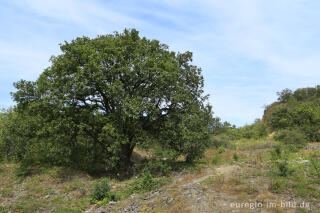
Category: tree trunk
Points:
column 125, row 156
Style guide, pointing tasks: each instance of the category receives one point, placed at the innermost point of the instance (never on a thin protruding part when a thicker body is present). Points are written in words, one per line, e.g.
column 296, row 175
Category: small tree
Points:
column 284, row 95
column 291, row 137
column 103, row 96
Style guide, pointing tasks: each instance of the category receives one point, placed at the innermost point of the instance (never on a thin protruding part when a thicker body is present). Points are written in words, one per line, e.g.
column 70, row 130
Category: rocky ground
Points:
column 228, row 185
column 210, row 191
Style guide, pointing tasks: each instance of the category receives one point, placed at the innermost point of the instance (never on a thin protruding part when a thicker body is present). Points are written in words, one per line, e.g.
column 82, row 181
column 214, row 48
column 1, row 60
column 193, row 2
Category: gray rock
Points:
column 170, row 200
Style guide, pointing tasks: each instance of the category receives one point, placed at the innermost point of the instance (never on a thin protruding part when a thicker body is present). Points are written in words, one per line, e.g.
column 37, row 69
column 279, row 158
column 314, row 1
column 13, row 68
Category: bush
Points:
column 23, row 171
column 291, row 137
column 221, row 150
column 222, row 140
column 275, row 186
column 235, row 157
column 216, row 159
column 143, row 184
column 256, row 130
column 280, row 162
column 295, row 114
column 158, row 168
column 292, row 148
column 315, row 166
column 102, row 192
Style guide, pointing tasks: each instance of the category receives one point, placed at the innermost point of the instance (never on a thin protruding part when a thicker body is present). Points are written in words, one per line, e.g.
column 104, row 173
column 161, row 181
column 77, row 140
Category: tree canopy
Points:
column 103, row 96
column 298, row 110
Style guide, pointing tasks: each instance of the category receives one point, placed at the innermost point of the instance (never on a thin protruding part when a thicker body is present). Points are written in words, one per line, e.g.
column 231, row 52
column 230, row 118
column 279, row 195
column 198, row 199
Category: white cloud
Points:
column 87, row 14
column 228, row 38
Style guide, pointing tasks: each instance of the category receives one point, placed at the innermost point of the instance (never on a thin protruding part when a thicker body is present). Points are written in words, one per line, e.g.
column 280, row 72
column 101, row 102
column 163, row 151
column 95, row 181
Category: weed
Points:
column 294, row 137
column 235, row 157
column 275, row 186
column 221, row 150
column 315, row 166
column 102, row 192
column 292, row 148
column 23, row 171
column 251, row 189
column 219, row 179
column 280, row 162
column 216, row 160
column 143, row 184
column 158, row 167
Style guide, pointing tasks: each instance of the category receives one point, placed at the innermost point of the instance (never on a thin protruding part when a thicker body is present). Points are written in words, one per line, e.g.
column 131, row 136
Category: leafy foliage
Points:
column 235, row 156
column 297, row 110
column 158, row 167
column 256, row 130
column 221, row 150
column 284, row 95
column 291, row 137
column 315, row 167
column 217, row 127
column 216, row 159
column 102, row 192
column 279, row 159
column 143, row 184
column 230, row 134
column 103, row 96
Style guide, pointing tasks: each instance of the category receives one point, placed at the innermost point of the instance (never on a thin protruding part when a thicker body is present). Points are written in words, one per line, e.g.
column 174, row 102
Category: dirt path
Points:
column 180, row 197
column 212, row 190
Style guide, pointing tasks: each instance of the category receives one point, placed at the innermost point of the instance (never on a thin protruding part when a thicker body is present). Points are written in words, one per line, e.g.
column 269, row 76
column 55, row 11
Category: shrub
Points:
column 102, row 192
column 226, row 138
column 158, row 168
column 235, row 157
column 221, row 150
column 256, row 130
column 216, row 159
column 291, row 137
column 275, row 186
column 23, row 171
column 143, row 184
column 280, row 162
column 283, row 168
column 315, row 166
column 292, row 148
column 220, row 140
column 295, row 114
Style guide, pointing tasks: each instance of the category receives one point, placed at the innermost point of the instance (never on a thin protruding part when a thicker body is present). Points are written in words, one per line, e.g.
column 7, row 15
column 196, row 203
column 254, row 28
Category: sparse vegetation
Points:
column 102, row 191
column 143, row 184
column 216, row 159
column 298, row 111
column 221, row 150
column 293, row 138
column 235, row 157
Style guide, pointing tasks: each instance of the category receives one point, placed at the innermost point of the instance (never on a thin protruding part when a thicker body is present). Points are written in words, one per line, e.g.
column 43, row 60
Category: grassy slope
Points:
column 214, row 184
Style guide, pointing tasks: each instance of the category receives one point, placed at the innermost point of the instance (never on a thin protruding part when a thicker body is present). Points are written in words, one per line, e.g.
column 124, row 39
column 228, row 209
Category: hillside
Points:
column 298, row 110
column 221, row 181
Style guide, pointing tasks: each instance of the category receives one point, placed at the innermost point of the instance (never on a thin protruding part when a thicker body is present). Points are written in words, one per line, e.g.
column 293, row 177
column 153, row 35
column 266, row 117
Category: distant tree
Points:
column 284, row 95
column 256, row 130
column 304, row 116
column 216, row 126
column 103, row 96
column 305, row 93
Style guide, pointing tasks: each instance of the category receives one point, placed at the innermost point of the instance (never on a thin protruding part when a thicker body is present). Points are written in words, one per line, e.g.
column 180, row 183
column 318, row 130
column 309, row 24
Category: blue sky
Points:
column 248, row 49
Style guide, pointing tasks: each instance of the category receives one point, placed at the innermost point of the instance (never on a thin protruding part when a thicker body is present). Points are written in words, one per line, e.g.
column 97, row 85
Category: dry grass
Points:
column 47, row 191
column 63, row 190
